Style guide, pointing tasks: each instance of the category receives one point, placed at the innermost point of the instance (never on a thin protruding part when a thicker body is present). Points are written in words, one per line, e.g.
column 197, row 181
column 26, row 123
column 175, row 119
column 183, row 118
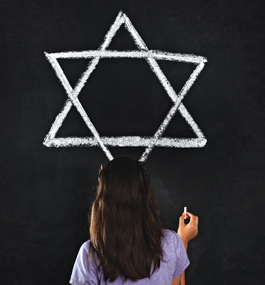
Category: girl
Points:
column 129, row 244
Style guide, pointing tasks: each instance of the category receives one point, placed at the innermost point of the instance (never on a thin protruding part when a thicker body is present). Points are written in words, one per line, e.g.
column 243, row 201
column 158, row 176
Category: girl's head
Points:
column 126, row 227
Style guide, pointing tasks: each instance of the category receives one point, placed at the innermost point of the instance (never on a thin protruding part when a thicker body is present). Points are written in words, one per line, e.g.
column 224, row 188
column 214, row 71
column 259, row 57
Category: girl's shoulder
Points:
column 85, row 246
column 85, row 249
column 171, row 238
column 84, row 270
column 169, row 234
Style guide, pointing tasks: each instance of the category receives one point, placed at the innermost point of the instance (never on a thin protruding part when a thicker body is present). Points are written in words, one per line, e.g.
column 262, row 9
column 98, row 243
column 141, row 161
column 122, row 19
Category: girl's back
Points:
column 175, row 262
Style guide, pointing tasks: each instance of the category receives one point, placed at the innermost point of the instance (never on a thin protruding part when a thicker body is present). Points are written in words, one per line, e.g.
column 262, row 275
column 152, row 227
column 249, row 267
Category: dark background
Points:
column 45, row 192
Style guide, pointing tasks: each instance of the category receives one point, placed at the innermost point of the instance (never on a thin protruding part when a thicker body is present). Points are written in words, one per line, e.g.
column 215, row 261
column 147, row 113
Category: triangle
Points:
column 176, row 73
column 73, row 125
column 179, row 128
column 122, row 40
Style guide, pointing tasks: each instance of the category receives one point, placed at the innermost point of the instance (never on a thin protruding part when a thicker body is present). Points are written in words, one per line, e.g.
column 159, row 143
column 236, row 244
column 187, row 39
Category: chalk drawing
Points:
column 151, row 57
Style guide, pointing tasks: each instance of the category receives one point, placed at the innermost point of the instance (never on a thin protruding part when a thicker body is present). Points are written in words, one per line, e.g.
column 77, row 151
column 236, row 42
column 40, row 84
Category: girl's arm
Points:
column 186, row 233
column 176, row 281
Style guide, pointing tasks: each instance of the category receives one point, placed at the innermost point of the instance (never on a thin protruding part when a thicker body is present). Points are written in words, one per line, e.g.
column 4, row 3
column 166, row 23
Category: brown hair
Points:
column 126, row 228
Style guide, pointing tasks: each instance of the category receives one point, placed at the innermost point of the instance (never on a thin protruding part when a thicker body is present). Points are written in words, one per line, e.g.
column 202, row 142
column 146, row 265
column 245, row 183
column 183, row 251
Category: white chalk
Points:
column 151, row 57
column 185, row 211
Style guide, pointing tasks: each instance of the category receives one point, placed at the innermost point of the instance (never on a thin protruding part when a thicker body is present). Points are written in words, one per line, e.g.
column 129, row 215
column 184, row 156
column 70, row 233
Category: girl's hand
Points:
column 189, row 231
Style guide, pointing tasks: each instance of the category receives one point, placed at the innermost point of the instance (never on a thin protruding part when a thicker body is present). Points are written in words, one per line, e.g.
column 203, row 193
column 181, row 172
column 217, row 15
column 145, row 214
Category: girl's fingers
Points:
column 193, row 219
column 189, row 215
column 196, row 220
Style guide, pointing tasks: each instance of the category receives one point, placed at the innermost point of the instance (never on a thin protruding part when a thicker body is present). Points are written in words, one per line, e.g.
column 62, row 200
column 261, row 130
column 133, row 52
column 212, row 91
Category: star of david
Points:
column 151, row 57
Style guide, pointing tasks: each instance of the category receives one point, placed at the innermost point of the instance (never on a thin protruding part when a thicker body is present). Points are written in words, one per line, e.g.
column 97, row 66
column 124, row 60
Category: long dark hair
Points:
column 126, row 227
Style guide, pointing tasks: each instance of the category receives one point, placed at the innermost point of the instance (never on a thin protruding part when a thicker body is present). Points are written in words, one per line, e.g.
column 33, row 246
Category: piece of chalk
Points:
column 185, row 211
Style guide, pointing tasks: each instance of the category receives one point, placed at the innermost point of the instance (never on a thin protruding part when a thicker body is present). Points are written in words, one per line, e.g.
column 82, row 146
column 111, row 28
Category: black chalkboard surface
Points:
column 48, row 179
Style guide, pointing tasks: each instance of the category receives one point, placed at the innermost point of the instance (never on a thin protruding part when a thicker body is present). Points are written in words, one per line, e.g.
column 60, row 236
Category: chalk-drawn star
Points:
column 150, row 56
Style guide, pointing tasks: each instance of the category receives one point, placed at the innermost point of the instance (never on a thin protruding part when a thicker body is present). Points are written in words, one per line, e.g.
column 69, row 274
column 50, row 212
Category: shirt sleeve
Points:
column 182, row 260
column 84, row 270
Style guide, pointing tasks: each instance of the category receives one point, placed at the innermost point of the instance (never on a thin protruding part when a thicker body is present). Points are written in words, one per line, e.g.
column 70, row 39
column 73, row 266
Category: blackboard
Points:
column 46, row 191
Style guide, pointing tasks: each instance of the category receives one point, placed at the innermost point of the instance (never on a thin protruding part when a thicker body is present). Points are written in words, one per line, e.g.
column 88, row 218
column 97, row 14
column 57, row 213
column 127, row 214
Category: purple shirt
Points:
column 85, row 271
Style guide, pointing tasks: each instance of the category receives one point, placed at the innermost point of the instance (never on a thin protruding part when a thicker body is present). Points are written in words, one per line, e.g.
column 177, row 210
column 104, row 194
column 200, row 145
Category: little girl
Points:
column 128, row 242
